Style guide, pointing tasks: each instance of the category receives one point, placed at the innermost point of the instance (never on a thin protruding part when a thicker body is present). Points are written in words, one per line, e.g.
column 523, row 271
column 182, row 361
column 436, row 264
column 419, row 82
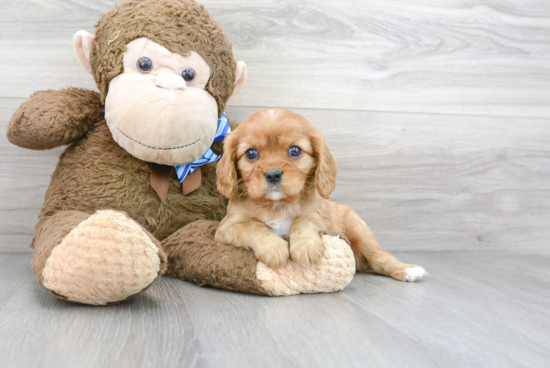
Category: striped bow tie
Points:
column 222, row 130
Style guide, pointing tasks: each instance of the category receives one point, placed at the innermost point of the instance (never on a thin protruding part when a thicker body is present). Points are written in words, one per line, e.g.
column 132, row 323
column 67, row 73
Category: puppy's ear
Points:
column 226, row 170
column 325, row 174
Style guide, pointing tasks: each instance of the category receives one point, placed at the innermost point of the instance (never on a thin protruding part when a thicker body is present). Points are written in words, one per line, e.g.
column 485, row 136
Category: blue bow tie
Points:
column 222, row 130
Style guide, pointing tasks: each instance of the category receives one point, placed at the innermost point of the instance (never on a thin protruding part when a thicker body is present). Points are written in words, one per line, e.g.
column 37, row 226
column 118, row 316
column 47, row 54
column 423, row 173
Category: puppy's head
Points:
column 273, row 155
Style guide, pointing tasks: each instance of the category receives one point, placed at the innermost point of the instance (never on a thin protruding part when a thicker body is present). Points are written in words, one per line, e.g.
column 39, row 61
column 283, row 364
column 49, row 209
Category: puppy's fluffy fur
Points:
column 274, row 192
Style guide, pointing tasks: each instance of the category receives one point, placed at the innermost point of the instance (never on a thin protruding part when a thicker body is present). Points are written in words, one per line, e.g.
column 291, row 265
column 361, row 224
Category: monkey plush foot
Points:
column 107, row 258
column 333, row 272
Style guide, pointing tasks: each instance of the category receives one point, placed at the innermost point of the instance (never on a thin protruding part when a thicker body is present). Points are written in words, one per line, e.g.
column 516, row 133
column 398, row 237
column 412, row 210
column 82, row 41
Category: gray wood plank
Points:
column 41, row 331
column 474, row 305
column 476, row 309
column 466, row 57
column 422, row 181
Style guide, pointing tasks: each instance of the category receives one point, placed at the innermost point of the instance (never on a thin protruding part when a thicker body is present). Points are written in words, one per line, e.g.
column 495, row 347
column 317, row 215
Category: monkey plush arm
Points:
column 54, row 118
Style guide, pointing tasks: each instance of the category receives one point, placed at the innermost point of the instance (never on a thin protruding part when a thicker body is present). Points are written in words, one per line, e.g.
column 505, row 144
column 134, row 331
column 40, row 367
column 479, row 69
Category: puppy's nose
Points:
column 170, row 81
column 273, row 176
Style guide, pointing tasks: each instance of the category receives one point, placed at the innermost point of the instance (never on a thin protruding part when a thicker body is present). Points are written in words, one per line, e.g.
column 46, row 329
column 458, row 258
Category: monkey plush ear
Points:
column 83, row 43
column 240, row 77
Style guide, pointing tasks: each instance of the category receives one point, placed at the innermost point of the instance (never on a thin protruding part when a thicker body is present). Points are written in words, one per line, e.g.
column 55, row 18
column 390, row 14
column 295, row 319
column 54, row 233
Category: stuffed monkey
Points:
column 133, row 195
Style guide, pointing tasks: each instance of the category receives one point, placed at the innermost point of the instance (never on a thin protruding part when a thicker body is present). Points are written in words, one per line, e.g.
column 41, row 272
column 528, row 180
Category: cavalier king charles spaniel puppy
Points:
column 277, row 172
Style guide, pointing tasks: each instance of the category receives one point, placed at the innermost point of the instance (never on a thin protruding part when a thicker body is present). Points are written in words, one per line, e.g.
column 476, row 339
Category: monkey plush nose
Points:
column 170, row 81
column 273, row 176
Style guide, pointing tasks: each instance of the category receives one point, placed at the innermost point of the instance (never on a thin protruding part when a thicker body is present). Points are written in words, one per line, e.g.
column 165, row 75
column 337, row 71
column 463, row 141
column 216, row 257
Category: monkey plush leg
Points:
column 370, row 256
column 194, row 255
column 95, row 259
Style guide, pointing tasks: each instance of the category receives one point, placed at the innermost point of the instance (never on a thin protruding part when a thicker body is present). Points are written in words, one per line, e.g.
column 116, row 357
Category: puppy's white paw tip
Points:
column 415, row 274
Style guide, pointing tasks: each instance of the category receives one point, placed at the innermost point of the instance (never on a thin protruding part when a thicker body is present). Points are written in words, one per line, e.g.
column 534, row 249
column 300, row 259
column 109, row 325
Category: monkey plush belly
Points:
column 96, row 173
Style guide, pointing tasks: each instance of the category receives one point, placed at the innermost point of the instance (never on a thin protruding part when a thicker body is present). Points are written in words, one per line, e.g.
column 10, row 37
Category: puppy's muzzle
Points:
column 273, row 176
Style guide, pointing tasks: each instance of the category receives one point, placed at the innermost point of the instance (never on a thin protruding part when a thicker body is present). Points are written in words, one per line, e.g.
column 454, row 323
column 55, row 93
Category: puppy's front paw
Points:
column 273, row 252
column 306, row 250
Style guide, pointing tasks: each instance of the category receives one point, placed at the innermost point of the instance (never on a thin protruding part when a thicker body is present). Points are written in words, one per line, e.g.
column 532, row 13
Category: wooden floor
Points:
column 476, row 309
column 438, row 115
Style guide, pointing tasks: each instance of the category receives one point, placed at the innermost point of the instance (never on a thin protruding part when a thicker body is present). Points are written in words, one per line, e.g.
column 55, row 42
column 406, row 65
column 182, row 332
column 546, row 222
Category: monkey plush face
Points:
column 158, row 110
column 165, row 71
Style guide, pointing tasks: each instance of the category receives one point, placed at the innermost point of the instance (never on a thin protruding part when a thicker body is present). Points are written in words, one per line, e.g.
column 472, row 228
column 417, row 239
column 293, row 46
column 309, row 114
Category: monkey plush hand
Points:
column 134, row 195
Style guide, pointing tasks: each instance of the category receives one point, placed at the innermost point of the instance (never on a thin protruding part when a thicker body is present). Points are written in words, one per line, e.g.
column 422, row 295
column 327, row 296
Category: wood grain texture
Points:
column 457, row 156
column 461, row 56
column 477, row 309
column 421, row 181
column 428, row 181
column 438, row 116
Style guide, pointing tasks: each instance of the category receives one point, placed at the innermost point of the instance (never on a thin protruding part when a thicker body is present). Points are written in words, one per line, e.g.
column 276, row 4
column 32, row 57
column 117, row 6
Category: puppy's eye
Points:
column 251, row 154
column 145, row 65
column 294, row 151
column 188, row 75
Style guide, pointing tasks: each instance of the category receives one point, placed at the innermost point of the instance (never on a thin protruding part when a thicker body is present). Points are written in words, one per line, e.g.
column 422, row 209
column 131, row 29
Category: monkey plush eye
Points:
column 294, row 151
column 145, row 65
column 188, row 75
column 251, row 154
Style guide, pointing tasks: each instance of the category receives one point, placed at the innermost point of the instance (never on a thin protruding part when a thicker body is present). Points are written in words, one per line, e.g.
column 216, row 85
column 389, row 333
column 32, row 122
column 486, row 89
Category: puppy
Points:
column 277, row 172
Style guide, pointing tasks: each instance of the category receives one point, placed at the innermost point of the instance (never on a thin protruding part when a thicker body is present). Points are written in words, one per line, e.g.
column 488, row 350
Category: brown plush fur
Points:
column 95, row 173
column 54, row 118
column 195, row 256
column 180, row 26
